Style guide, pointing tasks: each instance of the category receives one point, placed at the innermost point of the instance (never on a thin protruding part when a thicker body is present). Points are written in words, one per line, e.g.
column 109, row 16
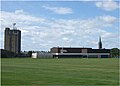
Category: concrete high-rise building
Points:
column 100, row 43
column 12, row 40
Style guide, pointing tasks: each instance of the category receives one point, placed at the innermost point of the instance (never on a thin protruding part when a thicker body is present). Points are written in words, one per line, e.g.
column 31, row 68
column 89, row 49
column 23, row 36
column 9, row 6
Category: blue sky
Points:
column 47, row 24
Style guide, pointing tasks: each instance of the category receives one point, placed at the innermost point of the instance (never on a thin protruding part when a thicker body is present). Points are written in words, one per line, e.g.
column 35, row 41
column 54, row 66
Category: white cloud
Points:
column 59, row 10
column 107, row 5
column 40, row 33
column 20, row 17
column 108, row 19
column 19, row 11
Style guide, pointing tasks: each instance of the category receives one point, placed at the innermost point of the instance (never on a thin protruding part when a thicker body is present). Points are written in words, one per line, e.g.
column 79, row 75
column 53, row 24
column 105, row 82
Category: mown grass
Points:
column 31, row 72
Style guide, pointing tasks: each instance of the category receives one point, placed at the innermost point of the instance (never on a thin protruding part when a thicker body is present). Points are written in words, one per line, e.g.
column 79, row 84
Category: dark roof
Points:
column 78, row 50
column 73, row 47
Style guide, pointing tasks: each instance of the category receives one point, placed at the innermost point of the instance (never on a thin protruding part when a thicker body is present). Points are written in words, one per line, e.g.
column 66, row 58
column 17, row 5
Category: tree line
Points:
column 115, row 53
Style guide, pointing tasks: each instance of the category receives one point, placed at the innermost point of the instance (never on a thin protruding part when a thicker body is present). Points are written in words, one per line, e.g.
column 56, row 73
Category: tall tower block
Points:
column 100, row 43
column 12, row 40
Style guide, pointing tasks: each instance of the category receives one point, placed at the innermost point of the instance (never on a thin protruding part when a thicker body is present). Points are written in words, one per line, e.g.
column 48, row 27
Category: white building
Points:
column 41, row 55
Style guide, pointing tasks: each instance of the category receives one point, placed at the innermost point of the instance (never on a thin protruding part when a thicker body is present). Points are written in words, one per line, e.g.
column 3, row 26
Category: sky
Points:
column 47, row 24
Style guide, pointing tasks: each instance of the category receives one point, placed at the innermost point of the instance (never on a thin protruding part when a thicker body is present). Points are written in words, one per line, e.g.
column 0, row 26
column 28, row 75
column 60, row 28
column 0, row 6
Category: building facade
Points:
column 66, row 52
column 12, row 40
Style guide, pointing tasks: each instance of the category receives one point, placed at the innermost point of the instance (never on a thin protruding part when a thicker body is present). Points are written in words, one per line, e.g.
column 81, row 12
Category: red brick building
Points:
column 64, row 52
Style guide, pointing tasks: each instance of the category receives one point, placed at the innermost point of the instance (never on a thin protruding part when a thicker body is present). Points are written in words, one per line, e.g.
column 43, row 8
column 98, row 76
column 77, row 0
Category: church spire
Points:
column 100, row 43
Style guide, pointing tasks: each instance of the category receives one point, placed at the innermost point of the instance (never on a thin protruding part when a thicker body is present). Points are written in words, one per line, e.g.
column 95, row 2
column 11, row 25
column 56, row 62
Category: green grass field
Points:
column 31, row 72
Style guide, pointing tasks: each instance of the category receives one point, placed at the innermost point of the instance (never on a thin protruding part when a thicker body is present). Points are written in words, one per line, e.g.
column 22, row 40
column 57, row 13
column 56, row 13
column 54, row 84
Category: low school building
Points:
column 68, row 52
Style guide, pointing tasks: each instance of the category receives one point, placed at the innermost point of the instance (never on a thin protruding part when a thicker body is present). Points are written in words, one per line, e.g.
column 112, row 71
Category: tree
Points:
column 115, row 52
column 30, row 53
